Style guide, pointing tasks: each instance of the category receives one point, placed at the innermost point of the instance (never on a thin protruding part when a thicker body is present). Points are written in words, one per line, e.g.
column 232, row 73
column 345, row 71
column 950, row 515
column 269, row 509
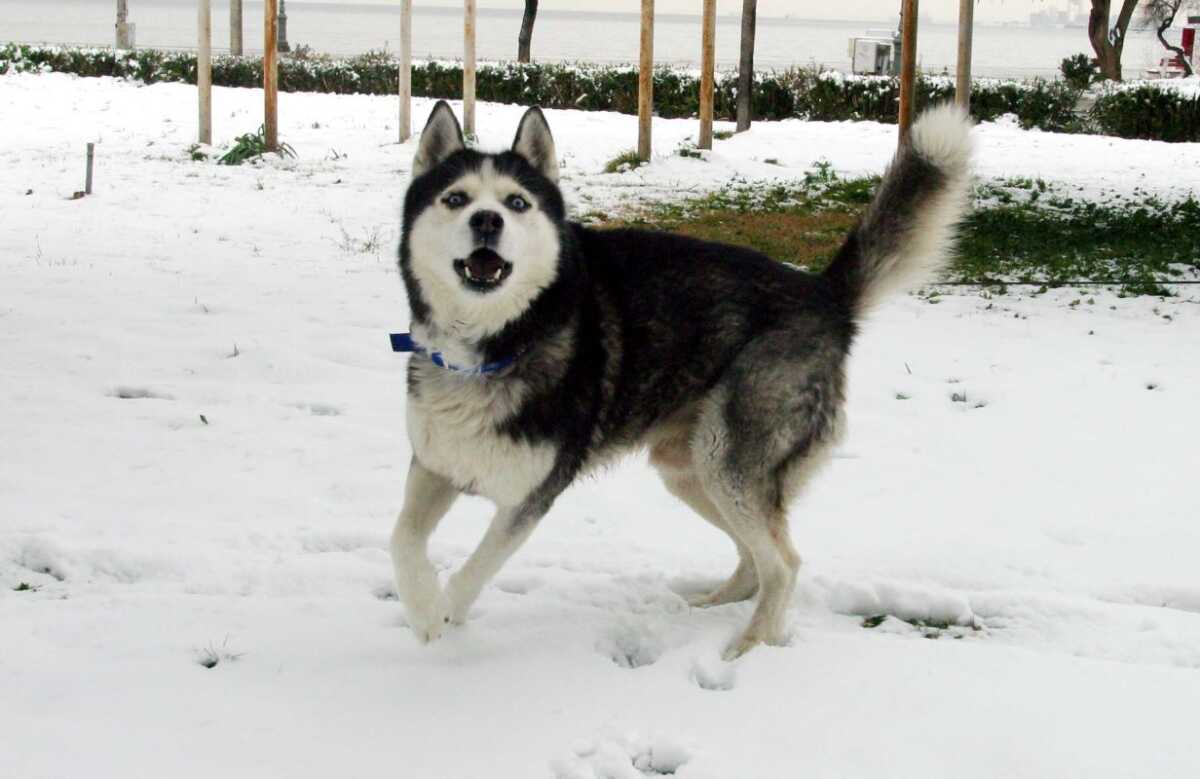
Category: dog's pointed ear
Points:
column 441, row 137
column 535, row 143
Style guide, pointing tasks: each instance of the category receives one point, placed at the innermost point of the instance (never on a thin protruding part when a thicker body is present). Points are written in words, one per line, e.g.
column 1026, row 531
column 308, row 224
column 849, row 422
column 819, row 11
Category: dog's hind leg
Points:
column 766, row 535
column 763, row 531
column 673, row 460
column 509, row 529
column 427, row 497
column 759, row 435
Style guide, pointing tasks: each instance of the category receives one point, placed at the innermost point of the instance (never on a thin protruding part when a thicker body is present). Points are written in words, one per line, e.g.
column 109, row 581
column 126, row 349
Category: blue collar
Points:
column 403, row 342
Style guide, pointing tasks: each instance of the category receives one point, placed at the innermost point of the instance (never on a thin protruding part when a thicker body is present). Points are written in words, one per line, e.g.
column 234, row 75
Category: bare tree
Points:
column 1160, row 14
column 235, row 27
column 745, row 91
column 1108, row 43
column 526, row 34
column 124, row 29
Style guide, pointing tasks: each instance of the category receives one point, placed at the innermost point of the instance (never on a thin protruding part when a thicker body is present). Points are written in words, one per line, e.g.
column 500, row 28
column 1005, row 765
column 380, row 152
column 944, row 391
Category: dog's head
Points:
column 483, row 233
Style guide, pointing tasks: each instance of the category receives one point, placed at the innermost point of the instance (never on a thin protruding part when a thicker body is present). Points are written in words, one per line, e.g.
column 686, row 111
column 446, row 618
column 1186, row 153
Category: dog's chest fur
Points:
column 454, row 423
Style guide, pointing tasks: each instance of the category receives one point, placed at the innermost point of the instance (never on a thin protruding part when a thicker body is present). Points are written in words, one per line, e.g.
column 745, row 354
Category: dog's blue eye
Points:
column 517, row 203
column 455, row 200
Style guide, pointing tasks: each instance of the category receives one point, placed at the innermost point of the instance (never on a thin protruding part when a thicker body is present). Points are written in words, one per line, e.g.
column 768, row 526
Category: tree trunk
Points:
column 124, row 36
column 745, row 91
column 962, row 71
column 1109, row 43
column 1163, row 26
column 526, row 34
column 235, row 28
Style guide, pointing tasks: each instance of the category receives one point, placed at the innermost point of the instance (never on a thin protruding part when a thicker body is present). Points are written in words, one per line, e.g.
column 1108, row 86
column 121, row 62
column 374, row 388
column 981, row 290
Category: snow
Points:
column 1043, row 531
column 1188, row 87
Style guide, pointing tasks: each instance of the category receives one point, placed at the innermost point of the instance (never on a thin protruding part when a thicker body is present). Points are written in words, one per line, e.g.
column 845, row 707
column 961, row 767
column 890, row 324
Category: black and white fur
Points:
column 726, row 365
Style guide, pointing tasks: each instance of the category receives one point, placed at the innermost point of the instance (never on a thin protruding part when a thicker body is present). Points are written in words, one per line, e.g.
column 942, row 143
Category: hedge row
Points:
column 1167, row 113
column 809, row 93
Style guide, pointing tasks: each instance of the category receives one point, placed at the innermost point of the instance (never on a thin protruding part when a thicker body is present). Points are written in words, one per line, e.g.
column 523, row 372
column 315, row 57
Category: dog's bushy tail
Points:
column 907, row 233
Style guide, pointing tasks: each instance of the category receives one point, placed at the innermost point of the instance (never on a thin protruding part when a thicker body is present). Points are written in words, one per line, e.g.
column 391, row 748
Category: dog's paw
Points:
column 722, row 596
column 430, row 621
column 459, row 599
column 752, row 638
column 706, row 600
column 429, row 632
column 742, row 585
column 739, row 647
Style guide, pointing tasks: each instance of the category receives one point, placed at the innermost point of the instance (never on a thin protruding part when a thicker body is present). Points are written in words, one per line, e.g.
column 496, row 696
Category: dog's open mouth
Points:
column 483, row 270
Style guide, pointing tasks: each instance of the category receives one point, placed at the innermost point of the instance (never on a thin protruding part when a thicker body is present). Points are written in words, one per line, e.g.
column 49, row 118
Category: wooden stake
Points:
column 908, row 64
column 91, row 157
column 469, row 67
column 271, row 75
column 746, row 66
column 966, row 30
column 405, row 70
column 646, row 81
column 204, row 72
column 235, row 28
column 708, row 66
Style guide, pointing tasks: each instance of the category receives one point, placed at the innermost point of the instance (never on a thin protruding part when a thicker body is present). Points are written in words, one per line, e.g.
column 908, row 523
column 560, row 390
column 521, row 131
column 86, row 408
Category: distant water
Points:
column 558, row 35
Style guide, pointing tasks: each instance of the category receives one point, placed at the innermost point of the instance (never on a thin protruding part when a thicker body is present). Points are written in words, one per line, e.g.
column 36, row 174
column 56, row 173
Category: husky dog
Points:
column 544, row 348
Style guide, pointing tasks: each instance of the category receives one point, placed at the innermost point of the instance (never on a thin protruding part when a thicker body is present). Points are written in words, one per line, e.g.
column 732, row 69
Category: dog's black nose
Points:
column 486, row 224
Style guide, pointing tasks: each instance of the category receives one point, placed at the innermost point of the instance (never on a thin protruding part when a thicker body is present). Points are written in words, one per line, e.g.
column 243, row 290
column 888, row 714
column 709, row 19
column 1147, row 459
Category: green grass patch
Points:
column 626, row 160
column 1026, row 232
column 1021, row 231
column 252, row 146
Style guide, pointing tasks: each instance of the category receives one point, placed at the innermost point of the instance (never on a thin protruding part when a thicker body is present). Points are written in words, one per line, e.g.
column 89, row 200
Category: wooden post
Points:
column 908, row 64
column 966, row 29
column 204, row 72
column 271, row 75
column 708, row 67
column 646, row 81
column 469, row 67
column 235, row 28
column 91, row 158
column 745, row 95
column 405, row 70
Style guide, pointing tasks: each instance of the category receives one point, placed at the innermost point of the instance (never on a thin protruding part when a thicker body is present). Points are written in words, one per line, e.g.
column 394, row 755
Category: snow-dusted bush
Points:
column 1138, row 111
column 829, row 95
column 1156, row 110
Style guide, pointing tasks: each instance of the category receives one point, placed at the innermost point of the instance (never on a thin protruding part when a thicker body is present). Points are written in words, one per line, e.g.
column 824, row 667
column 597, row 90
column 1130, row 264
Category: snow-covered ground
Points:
column 203, row 450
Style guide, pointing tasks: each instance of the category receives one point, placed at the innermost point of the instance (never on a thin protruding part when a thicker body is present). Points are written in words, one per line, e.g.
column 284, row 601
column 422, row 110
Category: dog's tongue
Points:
column 483, row 263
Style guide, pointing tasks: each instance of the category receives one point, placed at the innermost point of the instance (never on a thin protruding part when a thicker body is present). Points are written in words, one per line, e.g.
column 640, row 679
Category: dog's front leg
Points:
column 427, row 497
column 509, row 529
